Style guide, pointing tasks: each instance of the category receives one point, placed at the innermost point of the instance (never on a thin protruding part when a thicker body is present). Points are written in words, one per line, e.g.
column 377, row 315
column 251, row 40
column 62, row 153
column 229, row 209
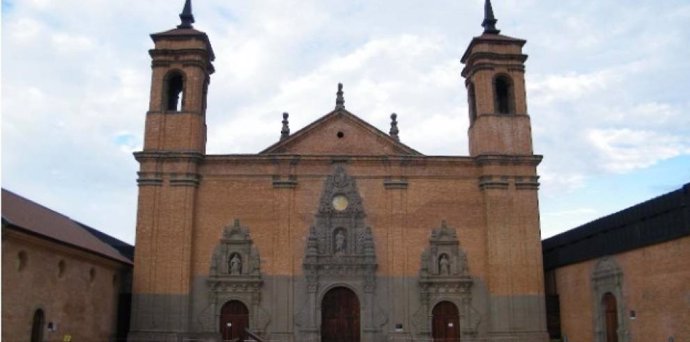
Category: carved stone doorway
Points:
column 340, row 316
column 234, row 320
column 445, row 324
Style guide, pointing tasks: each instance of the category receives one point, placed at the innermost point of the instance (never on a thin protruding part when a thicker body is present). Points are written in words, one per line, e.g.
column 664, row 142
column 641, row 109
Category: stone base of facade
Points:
column 173, row 337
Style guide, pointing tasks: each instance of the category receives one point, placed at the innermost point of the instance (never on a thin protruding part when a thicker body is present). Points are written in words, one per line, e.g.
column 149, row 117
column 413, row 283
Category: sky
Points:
column 608, row 90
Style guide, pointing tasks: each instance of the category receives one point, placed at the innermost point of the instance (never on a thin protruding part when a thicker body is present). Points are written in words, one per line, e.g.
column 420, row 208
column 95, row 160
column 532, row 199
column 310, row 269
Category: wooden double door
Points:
column 234, row 320
column 340, row 316
column 445, row 322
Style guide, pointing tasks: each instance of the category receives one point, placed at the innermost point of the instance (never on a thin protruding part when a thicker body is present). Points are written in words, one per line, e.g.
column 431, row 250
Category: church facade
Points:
column 337, row 232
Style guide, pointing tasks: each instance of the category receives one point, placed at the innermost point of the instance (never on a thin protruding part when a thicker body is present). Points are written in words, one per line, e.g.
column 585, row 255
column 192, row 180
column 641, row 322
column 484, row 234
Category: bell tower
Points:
column 494, row 75
column 500, row 141
column 181, row 70
column 174, row 145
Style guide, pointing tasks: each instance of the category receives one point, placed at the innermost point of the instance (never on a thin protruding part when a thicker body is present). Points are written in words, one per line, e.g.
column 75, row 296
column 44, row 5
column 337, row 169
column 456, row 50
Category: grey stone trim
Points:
column 178, row 52
column 493, row 182
column 498, row 159
column 149, row 179
column 607, row 277
column 444, row 276
column 168, row 156
column 399, row 183
column 521, row 58
column 527, row 183
column 184, row 179
column 290, row 182
column 236, row 275
column 175, row 112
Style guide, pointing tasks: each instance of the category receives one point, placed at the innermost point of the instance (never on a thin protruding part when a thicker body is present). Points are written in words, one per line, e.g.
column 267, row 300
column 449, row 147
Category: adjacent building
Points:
column 60, row 282
column 624, row 277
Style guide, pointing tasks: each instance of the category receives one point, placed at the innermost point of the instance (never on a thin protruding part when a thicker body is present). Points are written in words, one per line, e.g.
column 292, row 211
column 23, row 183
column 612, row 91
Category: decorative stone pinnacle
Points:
column 285, row 132
column 489, row 22
column 186, row 17
column 394, row 127
column 340, row 100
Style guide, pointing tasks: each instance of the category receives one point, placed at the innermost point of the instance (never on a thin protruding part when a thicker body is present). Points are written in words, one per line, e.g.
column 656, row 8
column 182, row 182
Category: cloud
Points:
column 607, row 95
column 623, row 150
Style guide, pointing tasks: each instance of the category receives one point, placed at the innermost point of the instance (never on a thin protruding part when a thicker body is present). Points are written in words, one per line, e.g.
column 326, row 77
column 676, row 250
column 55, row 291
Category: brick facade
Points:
column 274, row 211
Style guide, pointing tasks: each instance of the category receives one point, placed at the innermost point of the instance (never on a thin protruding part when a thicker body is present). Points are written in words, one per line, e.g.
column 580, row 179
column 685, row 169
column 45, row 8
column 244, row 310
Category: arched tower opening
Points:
column 174, row 91
column 472, row 103
column 503, row 95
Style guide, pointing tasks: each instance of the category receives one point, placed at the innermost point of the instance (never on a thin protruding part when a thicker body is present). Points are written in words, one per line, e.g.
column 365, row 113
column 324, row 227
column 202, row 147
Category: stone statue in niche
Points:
column 339, row 243
column 235, row 265
column 444, row 265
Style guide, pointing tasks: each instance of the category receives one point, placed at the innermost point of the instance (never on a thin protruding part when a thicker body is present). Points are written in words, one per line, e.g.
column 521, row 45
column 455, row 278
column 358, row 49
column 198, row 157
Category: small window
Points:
column 92, row 275
column 472, row 103
column 503, row 92
column 61, row 268
column 21, row 260
column 174, row 92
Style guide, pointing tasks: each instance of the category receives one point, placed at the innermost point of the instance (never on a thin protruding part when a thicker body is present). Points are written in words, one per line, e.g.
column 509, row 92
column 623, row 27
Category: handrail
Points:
column 253, row 335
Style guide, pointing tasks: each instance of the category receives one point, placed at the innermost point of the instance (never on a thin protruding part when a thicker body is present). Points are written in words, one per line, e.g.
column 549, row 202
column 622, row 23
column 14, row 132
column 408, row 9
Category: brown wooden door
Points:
column 234, row 320
column 445, row 322
column 611, row 317
column 340, row 316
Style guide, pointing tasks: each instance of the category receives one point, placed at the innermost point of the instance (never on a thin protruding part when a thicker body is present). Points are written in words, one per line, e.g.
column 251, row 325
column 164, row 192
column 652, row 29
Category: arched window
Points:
column 472, row 103
column 609, row 305
column 21, row 260
column 503, row 95
column 37, row 326
column 174, row 91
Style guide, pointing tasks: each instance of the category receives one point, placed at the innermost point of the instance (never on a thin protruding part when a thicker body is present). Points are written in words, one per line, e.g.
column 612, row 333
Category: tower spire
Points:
column 340, row 99
column 489, row 22
column 186, row 17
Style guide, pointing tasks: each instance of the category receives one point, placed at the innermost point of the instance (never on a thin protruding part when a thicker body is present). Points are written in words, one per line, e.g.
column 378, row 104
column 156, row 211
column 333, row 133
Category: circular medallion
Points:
column 340, row 202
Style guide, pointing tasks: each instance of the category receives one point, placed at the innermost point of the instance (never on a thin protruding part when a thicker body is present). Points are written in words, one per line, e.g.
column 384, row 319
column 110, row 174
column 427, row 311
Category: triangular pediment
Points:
column 340, row 133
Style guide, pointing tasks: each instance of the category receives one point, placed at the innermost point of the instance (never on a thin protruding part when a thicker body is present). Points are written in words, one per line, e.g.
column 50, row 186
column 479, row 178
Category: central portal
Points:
column 340, row 316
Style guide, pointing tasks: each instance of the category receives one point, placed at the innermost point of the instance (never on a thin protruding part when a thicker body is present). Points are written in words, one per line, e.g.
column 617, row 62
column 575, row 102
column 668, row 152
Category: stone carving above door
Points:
column 444, row 276
column 340, row 252
column 236, row 275
column 339, row 243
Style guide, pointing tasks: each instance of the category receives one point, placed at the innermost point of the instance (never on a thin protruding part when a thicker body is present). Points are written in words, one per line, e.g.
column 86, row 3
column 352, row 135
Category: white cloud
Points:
column 73, row 44
column 623, row 150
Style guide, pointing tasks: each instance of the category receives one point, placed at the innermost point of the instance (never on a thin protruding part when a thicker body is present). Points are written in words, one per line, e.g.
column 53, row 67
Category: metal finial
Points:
column 186, row 17
column 489, row 22
column 285, row 132
column 340, row 100
column 394, row 127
